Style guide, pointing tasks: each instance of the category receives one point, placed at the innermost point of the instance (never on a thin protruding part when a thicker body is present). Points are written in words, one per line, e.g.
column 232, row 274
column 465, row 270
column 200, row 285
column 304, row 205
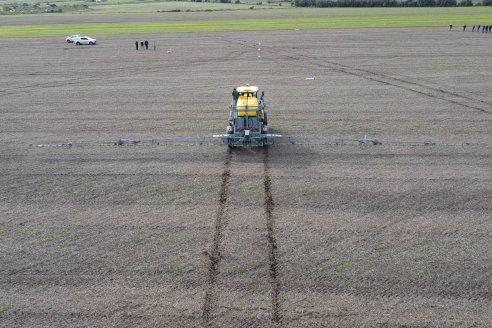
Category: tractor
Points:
column 248, row 119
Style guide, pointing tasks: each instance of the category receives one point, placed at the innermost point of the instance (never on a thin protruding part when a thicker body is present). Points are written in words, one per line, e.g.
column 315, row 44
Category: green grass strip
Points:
column 345, row 18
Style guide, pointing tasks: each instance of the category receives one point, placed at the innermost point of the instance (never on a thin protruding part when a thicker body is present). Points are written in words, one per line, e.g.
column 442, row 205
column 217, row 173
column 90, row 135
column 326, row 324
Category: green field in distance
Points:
column 270, row 19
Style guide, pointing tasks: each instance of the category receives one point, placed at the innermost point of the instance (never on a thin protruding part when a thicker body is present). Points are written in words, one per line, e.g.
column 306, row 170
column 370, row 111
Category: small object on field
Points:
column 311, row 78
column 366, row 141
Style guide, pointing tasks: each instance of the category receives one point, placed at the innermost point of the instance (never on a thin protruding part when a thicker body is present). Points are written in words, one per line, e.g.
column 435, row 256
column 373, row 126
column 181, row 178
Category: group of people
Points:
column 485, row 28
column 142, row 44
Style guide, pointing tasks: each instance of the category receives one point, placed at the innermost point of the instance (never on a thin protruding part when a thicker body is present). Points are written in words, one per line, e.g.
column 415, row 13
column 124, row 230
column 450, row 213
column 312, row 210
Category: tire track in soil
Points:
column 398, row 82
column 272, row 241
column 419, row 88
column 416, row 87
column 210, row 302
column 103, row 75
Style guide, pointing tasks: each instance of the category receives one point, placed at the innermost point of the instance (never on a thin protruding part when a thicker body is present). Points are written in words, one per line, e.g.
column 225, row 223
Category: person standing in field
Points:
column 136, row 45
column 146, row 45
column 473, row 28
column 235, row 96
column 450, row 27
column 464, row 28
column 141, row 44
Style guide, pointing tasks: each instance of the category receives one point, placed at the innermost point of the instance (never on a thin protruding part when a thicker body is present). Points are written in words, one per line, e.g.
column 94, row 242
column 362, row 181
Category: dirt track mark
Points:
column 103, row 75
column 210, row 303
column 419, row 88
column 272, row 242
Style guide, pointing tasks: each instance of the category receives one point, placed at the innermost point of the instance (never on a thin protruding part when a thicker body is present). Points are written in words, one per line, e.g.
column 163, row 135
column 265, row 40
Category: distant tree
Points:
column 383, row 3
column 486, row 2
column 426, row 3
column 410, row 3
column 445, row 3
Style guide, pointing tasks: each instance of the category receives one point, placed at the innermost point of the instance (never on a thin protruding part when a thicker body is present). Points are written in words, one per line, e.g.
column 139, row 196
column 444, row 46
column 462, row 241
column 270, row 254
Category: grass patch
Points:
column 303, row 19
column 41, row 289
column 20, row 7
column 5, row 308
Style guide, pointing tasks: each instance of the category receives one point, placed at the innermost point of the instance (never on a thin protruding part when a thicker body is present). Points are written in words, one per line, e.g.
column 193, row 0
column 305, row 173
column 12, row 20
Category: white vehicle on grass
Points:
column 84, row 40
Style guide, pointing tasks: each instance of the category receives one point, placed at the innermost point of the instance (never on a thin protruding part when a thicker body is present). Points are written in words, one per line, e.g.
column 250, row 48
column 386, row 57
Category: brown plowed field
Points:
column 184, row 234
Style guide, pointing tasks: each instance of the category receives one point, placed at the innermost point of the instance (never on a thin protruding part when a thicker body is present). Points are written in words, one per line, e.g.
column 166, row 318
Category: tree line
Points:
column 389, row 3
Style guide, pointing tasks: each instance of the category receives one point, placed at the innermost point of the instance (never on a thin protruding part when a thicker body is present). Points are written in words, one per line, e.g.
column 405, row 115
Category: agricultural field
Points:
column 125, row 24
column 189, row 233
column 20, row 7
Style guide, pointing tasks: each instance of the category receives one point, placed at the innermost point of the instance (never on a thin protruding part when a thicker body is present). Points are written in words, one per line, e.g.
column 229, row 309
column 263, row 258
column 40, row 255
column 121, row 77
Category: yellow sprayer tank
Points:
column 247, row 102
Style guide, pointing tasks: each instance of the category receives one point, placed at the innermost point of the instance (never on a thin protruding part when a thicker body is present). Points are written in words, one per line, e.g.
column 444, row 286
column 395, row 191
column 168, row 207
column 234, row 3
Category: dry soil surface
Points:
column 184, row 234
